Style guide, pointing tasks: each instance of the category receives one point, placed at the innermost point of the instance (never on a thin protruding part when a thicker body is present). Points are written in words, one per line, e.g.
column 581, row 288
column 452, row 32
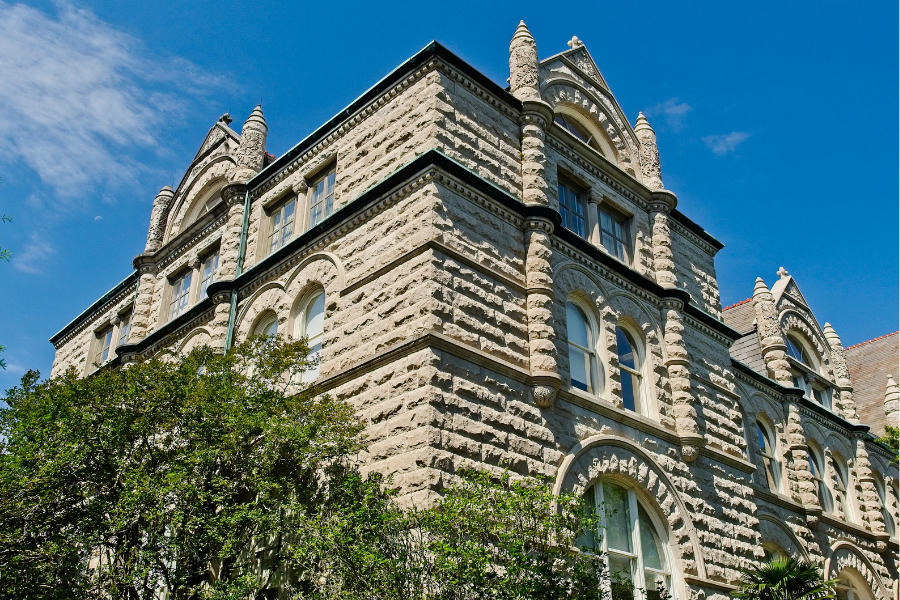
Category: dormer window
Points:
column 573, row 127
column 322, row 198
column 795, row 350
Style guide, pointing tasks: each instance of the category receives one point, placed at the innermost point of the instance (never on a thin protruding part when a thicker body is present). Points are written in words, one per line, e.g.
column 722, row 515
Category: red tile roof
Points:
column 738, row 303
column 880, row 337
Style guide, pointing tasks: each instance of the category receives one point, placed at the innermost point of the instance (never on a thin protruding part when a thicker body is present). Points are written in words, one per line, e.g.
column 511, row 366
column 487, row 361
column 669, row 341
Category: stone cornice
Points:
column 694, row 233
column 123, row 289
column 161, row 337
column 434, row 56
column 190, row 239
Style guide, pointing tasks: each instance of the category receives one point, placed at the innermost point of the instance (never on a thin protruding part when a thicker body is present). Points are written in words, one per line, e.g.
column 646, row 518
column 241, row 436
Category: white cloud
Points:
column 35, row 255
column 80, row 98
column 673, row 111
column 723, row 144
column 98, row 218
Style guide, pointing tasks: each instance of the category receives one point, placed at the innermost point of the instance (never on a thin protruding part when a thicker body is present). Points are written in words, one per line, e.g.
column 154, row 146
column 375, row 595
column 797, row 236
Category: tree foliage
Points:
column 217, row 477
column 185, row 474
column 784, row 578
column 891, row 439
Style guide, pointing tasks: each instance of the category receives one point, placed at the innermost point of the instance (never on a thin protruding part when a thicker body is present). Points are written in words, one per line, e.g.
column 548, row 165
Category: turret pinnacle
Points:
column 252, row 150
column 891, row 401
column 642, row 124
column 256, row 117
column 760, row 289
column 523, row 65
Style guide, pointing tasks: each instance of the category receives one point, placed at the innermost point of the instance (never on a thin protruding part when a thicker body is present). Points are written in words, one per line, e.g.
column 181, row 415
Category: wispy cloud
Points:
column 673, row 112
column 723, row 144
column 80, row 97
column 35, row 256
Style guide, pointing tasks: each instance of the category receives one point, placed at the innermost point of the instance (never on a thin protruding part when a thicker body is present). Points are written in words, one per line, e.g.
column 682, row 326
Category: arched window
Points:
column 839, row 487
column 795, row 350
column 771, row 464
column 630, row 365
column 850, row 586
column 582, row 354
column 632, row 544
column 311, row 325
column 267, row 326
column 771, row 551
column 815, row 467
column 889, row 525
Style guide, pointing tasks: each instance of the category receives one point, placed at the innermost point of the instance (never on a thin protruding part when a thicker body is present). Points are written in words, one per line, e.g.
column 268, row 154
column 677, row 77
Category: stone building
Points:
column 498, row 276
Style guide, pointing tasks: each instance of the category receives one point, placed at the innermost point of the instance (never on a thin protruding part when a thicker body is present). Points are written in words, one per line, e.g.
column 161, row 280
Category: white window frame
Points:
column 636, row 555
column 321, row 194
column 642, row 397
column 124, row 329
column 302, row 322
column 772, row 469
column 841, row 486
column 263, row 325
column 281, row 227
column 104, row 345
column 181, row 294
column 210, row 264
column 816, row 464
column 595, row 378
column 620, row 240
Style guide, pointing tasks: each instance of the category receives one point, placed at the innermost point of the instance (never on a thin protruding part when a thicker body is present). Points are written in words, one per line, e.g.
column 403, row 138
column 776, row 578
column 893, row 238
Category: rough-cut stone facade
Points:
column 447, row 269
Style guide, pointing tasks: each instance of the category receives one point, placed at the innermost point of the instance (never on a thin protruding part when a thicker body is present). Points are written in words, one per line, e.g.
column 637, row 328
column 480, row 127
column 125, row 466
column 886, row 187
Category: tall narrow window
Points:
column 612, row 234
column 181, row 292
column 771, row 464
column 822, row 396
column 582, row 357
column 572, row 208
column 267, row 326
column 630, row 366
column 104, row 340
column 124, row 330
column 839, row 487
column 312, row 326
column 322, row 198
column 815, row 467
column 633, row 547
column 208, row 272
column 282, row 225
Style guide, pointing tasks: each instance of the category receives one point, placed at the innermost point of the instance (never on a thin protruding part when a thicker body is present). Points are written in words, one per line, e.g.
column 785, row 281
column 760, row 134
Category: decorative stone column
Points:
column 650, row 169
column 234, row 195
column 536, row 117
column 801, row 482
column 143, row 299
column 660, row 206
column 219, row 325
column 845, row 405
column 158, row 219
column 867, row 496
column 771, row 340
column 684, row 404
column 593, row 219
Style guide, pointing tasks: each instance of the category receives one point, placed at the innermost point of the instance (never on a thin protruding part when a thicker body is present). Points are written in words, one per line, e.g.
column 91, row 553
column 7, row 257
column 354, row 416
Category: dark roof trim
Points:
column 133, row 277
column 696, row 229
column 179, row 321
column 423, row 56
column 800, row 399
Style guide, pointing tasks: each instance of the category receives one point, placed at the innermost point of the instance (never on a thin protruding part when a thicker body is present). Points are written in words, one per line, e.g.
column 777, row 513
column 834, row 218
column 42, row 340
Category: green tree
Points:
column 891, row 439
column 186, row 475
column 784, row 578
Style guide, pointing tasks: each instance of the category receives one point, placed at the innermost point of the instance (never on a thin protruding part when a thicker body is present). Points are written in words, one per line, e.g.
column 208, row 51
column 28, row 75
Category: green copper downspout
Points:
column 242, row 249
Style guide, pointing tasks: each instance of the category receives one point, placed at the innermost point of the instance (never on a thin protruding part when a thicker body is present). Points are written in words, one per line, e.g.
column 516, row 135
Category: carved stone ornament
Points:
column 812, row 520
column 881, row 544
column 689, row 452
column 544, row 395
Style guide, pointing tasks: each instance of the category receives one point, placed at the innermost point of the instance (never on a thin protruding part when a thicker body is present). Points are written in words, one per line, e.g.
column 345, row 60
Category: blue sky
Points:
column 777, row 126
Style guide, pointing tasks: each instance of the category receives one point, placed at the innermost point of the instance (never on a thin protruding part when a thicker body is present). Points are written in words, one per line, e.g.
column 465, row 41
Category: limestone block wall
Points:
column 695, row 269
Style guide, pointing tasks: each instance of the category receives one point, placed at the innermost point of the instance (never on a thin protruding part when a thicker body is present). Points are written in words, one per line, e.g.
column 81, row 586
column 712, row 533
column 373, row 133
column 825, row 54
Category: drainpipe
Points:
column 239, row 268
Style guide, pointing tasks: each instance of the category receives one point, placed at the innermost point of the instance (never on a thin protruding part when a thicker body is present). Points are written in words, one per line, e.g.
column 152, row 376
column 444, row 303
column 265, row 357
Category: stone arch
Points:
column 564, row 91
column 845, row 555
column 269, row 297
column 792, row 321
column 603, row 142
column 200, row 184
column 603, row 454
column 197, row 337
column 773, row 528
column 336, row 281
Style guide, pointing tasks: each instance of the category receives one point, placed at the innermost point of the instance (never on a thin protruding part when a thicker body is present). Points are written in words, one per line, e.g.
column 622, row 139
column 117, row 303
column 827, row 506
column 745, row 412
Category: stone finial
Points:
column 158, row 215
column 574, row 42
column 782, row 272
column 226, row 118
column 650, row 169
column 844, row 403
column 252, row 151
column 771, row 340
column 523, row 65
column 891, row 400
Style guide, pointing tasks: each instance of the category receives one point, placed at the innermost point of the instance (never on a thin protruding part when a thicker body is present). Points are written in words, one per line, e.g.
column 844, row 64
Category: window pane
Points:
column 762, row 438
column 618, row 518
column 626, row 349
column 630, row 388
column 315, row 319
column 269, row 328
column 619, row 250
column 794, row 351
column 588, row 537
column 578, row 368
column 576, row 325
column 621, row 571
column 125, row 329
column 651, row 547
column 655, row 584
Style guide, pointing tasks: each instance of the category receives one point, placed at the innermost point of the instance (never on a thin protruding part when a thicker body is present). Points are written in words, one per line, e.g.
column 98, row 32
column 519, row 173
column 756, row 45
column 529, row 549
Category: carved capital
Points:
column 233, row 193
column 662, row 201
column 544, row 395
column 538, row 224
column 300, row 187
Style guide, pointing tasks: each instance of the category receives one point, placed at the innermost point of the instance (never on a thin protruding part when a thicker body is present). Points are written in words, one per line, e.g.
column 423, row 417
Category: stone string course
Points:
column 445, row 317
